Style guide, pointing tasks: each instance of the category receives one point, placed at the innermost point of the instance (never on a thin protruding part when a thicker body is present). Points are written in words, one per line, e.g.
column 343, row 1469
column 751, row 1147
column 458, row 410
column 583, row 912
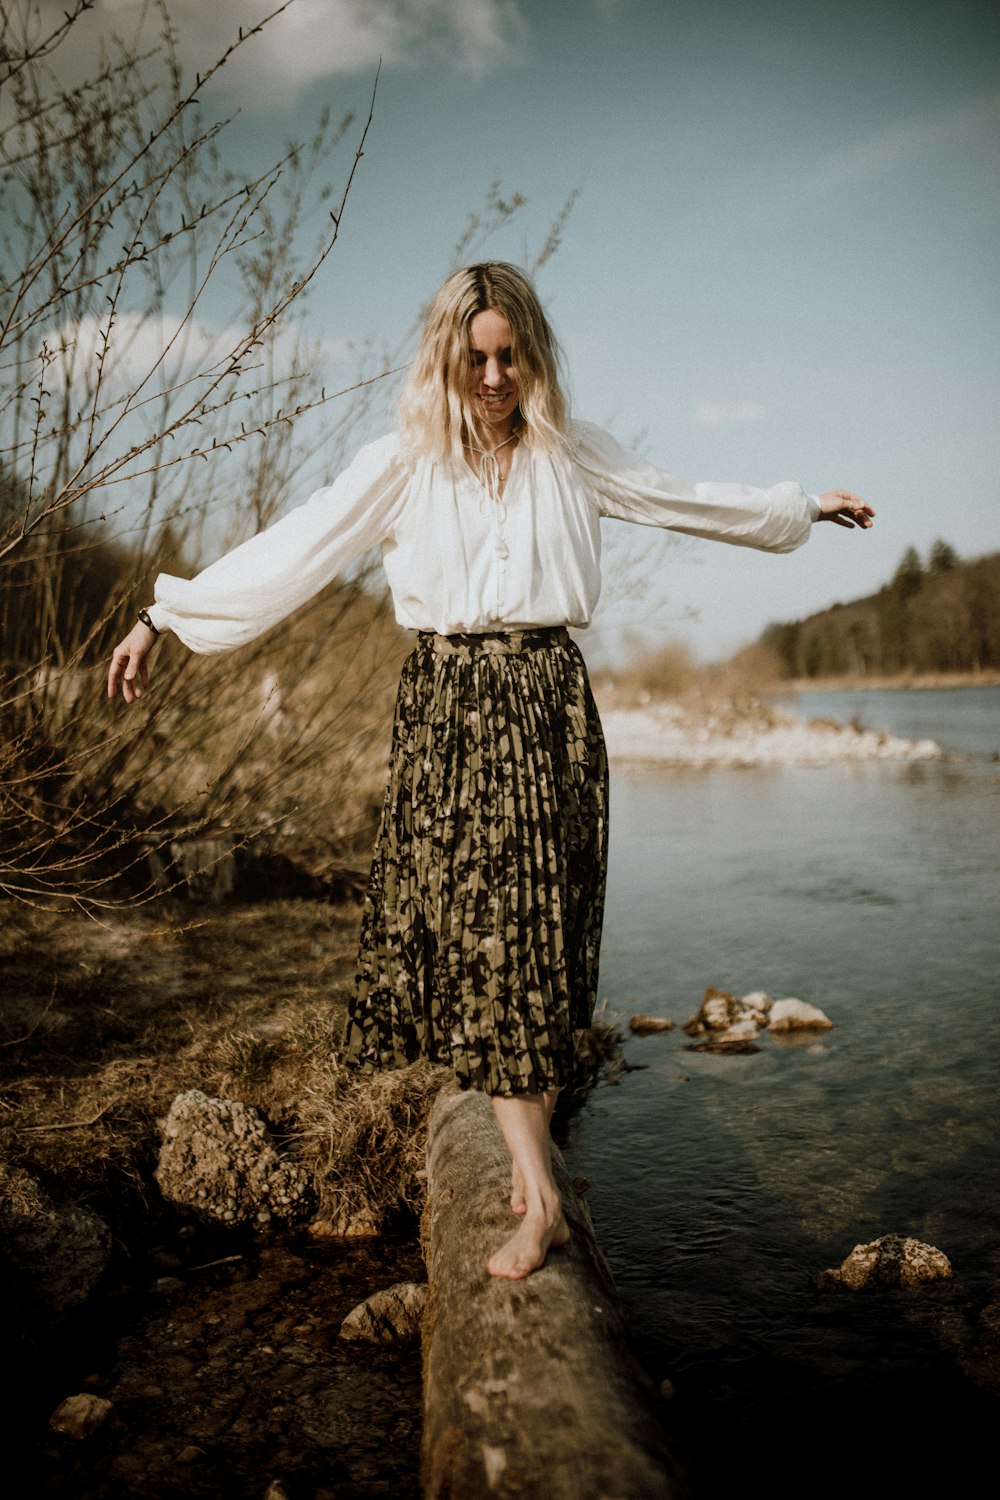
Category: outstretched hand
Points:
column 846, row 509
column 128, row 669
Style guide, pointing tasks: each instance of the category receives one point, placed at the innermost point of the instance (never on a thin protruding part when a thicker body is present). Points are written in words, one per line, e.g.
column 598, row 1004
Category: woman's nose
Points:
column 492, row 373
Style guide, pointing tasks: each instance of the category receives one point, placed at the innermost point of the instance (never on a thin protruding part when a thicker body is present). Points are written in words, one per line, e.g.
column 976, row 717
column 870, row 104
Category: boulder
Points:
column 796, row 1015
column 56, row 1252
column 219, row 1160
column 886, row 1263
column 387, row 1317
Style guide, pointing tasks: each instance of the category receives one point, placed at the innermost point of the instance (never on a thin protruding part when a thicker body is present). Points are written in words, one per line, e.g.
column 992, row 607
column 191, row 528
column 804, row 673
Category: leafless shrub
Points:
column 133, row 437
column 155, row 408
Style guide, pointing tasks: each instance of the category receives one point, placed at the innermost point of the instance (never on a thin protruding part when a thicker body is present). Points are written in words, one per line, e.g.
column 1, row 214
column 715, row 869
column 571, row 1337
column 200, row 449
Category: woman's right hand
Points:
column 128, row 663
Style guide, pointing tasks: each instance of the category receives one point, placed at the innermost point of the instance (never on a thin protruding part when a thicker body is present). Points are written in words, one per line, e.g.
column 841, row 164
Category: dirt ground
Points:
column 219, row 1353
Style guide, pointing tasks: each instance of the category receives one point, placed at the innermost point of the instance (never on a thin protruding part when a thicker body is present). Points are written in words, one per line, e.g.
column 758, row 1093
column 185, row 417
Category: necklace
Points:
column 491, row 476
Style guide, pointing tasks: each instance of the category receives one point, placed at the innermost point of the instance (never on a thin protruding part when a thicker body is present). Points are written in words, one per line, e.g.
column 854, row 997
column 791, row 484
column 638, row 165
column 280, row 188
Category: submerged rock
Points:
column 643, row 1025
column 736, row 1046
column 218, row 1159
column 80, row 1416
column 389, row 1316
column 734, row 1018
column 889, row 1262
column 730, row 1020
column 796, row 1015
column 346, row 1224
column 56, row 1252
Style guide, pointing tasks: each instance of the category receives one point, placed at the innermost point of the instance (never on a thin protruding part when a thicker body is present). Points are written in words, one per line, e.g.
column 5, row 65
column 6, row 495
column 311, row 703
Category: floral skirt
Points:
column 482, row 923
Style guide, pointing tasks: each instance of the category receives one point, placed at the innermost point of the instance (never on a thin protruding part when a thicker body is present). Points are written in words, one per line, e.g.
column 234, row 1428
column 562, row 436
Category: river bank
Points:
column 217, row 1350
column 214, row 1352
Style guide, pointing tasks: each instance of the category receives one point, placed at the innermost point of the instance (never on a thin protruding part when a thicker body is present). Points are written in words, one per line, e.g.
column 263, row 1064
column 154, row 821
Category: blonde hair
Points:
column 435, row 417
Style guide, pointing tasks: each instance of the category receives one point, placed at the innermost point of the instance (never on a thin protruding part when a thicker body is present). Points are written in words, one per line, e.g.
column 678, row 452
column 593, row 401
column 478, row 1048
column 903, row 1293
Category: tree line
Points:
column 938, row 614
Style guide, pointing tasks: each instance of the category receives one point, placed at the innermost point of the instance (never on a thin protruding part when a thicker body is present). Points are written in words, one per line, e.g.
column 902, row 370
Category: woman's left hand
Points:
column 846, row 509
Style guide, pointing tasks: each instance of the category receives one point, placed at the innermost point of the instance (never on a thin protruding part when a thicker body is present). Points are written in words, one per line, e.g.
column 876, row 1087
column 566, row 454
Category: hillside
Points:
column 939, row 616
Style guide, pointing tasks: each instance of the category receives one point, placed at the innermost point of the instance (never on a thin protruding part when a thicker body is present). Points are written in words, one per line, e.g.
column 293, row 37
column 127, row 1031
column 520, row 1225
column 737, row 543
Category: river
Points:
column 721, row 1184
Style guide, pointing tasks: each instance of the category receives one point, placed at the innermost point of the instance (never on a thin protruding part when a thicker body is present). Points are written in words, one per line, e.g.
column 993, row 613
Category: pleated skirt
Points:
column 481, row 927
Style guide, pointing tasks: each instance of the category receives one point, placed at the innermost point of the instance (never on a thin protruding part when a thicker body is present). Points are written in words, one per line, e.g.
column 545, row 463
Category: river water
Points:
column 721, row 1184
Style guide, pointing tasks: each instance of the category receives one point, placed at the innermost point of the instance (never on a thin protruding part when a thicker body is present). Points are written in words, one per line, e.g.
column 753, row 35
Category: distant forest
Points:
column 938, row 615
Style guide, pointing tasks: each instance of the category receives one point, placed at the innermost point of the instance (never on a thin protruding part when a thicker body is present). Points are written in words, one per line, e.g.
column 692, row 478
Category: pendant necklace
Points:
column 490, row 476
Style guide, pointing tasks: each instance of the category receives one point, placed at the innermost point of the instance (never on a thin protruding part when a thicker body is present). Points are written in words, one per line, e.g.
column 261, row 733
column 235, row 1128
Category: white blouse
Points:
column 456, row 559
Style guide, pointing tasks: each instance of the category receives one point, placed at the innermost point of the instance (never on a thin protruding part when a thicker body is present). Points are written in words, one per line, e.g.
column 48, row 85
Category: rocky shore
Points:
column 677, row 734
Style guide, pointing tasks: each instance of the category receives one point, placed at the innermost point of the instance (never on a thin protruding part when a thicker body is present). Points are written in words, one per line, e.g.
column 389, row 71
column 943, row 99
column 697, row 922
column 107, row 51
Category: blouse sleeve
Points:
column 630, row 489
column 262, row 581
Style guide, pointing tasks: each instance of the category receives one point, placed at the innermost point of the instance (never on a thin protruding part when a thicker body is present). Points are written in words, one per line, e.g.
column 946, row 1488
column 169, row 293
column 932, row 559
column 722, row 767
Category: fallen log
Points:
column 529, row 1386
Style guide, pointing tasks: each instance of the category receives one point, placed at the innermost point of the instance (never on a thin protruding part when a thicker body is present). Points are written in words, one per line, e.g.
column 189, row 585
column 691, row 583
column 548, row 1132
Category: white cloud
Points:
column 137, row 343
column 901, row 143
column 312, row 39
column 727, row 413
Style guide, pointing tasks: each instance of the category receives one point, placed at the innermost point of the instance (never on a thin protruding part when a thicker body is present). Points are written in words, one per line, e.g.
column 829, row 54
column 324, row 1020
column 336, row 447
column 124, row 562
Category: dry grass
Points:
column 105, row 1024
column 672, row 674
column 366, row 1144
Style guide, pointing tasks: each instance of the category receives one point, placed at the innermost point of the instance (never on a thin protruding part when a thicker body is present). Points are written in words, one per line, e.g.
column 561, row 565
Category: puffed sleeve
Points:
column 629, row 488
column 266, row 578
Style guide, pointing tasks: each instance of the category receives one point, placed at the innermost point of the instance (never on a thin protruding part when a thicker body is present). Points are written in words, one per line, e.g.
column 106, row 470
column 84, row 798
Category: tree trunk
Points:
column 529, row 1386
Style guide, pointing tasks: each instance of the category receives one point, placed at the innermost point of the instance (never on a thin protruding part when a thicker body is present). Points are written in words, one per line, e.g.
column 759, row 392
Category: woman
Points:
column 482, row 924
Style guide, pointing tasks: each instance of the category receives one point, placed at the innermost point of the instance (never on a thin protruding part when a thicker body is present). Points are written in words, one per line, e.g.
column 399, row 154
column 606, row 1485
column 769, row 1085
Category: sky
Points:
column 781, row 263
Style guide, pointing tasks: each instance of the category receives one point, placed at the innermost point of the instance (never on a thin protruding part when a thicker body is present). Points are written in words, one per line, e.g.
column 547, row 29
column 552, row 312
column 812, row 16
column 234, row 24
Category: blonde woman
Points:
column 482, row 924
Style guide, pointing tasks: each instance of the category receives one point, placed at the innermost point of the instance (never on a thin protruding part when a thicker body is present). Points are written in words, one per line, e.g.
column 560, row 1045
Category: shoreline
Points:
column 670, row 734
column 900, row 682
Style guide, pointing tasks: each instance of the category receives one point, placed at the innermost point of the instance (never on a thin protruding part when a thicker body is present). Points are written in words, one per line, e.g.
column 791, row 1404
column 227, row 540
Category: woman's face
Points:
column 493, row 387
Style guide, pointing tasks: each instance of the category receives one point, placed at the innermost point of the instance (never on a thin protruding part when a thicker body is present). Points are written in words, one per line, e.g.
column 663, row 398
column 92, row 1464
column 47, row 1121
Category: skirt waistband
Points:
column 496, row 642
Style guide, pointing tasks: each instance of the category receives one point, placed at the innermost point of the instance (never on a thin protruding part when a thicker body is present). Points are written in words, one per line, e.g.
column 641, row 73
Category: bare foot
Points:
column 518, row 1202
column 526, row 1250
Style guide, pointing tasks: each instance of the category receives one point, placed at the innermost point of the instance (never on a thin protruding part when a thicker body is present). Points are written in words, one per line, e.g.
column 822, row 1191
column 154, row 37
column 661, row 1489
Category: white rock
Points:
column 797, row 1015
column 759, row 1002
column 742, row 1031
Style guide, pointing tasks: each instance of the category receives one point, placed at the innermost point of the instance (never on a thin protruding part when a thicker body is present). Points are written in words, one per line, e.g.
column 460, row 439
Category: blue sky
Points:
column 783, row 261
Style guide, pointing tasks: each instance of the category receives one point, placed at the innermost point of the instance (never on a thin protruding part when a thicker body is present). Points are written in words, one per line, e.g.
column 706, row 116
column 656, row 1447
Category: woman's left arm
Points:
column 845, row 509
column 777, row 519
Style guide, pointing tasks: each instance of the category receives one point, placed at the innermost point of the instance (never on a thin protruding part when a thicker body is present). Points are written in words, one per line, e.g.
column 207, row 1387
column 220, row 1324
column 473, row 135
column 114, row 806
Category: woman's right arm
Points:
column 265, row 579
column 129, row 670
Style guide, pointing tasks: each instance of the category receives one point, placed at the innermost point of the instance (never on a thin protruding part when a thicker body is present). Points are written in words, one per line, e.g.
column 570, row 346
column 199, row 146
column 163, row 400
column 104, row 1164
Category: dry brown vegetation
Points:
column 159, row 387
column 134, row 438
column 105, row 1024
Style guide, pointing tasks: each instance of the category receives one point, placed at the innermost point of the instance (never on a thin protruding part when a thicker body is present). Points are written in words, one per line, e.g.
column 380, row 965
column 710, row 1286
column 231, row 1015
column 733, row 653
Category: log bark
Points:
column 529, row 1386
